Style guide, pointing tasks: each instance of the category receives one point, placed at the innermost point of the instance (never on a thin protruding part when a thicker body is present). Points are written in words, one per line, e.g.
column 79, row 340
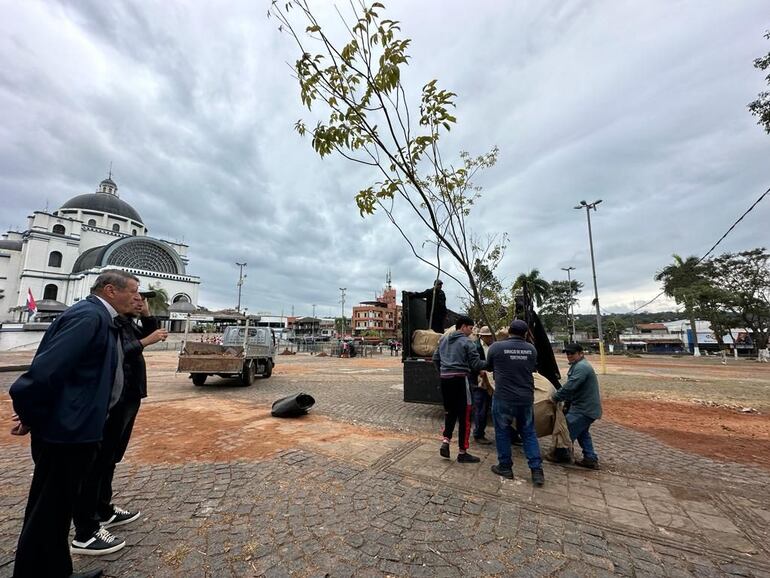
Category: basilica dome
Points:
column 104, row 200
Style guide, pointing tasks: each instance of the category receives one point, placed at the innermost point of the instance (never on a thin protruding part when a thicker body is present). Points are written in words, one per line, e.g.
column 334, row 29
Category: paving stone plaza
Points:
column 381, row 502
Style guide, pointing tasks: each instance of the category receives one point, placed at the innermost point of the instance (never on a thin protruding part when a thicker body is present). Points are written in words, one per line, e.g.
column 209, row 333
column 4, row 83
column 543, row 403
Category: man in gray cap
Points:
column 513, row 361
column 582, row 390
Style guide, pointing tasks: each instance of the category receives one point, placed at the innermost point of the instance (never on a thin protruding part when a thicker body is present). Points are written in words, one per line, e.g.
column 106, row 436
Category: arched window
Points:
column 133, row 232
column 92, row 222
column 50, row 292
column 181, row 298
column 59, row 229
column 54, row 259
column 116, row 228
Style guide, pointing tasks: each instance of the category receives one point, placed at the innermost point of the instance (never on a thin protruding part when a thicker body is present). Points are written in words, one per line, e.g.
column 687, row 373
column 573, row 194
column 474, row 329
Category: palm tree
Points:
column 159, row 303
column 537, row 287
column 682, row 281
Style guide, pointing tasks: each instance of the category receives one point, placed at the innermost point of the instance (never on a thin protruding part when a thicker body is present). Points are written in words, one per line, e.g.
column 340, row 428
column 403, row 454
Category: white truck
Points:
column 245, row 352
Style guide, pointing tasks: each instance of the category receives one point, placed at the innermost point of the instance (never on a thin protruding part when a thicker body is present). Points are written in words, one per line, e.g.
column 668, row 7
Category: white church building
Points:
column 60, row 254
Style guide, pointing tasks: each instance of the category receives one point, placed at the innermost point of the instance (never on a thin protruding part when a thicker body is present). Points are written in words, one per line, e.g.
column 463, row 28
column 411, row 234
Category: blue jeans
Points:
column 579, row 425
column 480, row 411
column 504, row 414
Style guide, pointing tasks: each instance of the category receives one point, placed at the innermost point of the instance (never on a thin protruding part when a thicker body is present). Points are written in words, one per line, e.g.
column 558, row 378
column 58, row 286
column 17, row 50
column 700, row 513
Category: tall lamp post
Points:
column 342, row 300
column 588, row 207
column 571, row 309
column 241, row 277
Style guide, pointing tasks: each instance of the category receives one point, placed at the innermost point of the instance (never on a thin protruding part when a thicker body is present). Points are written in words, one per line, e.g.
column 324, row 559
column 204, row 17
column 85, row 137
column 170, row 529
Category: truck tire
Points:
column 248, row 374
column 268, row 368
column 198, row 378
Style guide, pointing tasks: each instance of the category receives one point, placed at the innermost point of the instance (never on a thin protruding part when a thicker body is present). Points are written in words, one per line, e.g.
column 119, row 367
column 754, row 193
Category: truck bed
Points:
column 210, row 358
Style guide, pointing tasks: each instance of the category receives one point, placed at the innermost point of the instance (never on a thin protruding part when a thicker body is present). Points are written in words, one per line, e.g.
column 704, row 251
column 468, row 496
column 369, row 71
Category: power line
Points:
column 722, row 238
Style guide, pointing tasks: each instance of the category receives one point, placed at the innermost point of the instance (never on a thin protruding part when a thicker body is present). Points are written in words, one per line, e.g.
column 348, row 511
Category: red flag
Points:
column 31, row 305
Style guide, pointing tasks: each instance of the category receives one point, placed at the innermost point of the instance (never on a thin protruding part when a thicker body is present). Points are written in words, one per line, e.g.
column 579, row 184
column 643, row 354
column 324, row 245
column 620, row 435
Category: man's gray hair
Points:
column 116, row 277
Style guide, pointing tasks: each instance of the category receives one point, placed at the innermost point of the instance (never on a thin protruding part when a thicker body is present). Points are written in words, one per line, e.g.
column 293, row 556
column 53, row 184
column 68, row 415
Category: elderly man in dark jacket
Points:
column 62, row 400
column 94, row 511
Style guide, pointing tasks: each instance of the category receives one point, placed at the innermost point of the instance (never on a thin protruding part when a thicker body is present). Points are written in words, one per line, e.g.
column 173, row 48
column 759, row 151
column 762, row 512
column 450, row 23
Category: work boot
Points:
column 467, row 458
column 559, row 456
column 589, row 463
column 538, row 478
column 504, row 472
column 444, row 450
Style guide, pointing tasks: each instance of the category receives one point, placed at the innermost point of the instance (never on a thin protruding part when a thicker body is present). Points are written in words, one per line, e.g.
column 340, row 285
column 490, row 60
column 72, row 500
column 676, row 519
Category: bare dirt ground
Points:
column 691, row 404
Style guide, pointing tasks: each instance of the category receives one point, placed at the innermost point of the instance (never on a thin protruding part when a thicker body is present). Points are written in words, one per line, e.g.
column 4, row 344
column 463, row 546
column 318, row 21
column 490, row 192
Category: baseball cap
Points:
column 147, row 294
column 573, row 348
column 518, row 327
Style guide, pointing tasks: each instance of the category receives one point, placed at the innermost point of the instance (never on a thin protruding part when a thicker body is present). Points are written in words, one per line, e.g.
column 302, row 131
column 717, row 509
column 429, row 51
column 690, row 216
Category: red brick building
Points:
column 381, row 317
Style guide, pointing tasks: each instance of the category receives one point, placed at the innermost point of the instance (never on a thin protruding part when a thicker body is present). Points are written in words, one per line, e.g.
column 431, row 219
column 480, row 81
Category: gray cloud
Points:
column 643, row 106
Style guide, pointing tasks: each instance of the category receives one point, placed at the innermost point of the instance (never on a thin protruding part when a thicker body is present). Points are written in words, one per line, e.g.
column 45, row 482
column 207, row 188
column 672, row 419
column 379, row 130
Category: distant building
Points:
column 381, row 316
column 59, row 255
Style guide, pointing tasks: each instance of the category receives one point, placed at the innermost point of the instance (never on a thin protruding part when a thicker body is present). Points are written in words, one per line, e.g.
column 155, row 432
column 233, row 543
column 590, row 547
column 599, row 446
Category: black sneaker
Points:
column 120, row 517
column 588, row 463
column 538, row 478
column 467, row 458
column 506, row 473
column 483, row 441
column 101, row 543
column 444, row 450
column 516, row 441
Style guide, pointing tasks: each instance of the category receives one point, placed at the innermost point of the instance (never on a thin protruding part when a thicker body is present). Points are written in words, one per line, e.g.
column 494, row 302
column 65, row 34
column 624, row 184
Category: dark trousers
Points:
column 43, row 548
column 95, row 500
column 457, row 408
column 481, row 399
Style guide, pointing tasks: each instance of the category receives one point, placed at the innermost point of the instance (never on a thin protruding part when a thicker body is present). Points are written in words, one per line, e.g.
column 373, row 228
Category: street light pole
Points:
column 571, row 309
column 312, row 323
column 241, row 277
column 342, row 300
column 588, row 207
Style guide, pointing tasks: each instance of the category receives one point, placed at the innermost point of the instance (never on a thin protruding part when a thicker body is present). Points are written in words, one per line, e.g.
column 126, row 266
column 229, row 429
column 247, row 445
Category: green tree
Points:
column 745, row 278
column 534, row 284
column 683, row 281
column 355, row 84
column 761, row 107
column 556, row 309
column 488, row 257
column 158, row 304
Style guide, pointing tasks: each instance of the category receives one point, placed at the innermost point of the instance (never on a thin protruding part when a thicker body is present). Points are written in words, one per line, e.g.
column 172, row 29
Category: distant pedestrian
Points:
column 455, row 358
column 63, row 401
column 513, row 361
column 582, row 391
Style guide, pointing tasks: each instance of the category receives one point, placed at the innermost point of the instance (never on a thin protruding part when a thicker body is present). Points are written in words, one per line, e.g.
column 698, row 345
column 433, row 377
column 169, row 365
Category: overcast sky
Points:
column 641, row 104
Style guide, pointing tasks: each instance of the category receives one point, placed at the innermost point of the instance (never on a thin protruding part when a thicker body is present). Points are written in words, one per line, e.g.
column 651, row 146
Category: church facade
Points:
column 60, row 254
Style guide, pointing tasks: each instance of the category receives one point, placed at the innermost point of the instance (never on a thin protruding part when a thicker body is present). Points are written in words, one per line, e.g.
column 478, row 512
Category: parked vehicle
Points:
column 238, row 355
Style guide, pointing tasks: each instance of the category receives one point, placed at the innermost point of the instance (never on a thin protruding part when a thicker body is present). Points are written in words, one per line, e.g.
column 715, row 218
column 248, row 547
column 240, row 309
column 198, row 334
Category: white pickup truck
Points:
column 238, row 356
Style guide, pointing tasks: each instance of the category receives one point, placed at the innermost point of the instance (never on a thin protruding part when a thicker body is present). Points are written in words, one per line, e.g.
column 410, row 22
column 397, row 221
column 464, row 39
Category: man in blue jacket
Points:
column 513, row 362
column 455, row 359
column 62, row 400
column 582, row 390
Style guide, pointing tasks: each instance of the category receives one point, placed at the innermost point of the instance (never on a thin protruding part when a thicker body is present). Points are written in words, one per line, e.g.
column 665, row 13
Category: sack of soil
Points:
column 293, row 405
column 424, row 342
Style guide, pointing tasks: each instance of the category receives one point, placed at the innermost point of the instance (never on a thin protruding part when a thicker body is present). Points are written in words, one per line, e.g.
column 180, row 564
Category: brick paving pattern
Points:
column 651, row 510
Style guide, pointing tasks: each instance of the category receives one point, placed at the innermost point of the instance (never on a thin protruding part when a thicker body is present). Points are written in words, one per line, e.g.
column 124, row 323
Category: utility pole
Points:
column 342, row 300
column 588, row 207
column 241, row 277
column 571, row 308
column 312, row 324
